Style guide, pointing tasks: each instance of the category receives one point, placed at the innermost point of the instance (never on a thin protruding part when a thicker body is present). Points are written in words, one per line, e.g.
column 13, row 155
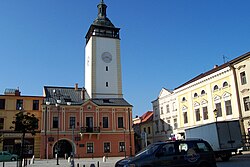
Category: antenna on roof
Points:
column 224, row 58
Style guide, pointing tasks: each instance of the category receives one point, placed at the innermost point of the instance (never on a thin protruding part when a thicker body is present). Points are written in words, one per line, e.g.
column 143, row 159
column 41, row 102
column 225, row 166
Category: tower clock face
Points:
column 106, row 57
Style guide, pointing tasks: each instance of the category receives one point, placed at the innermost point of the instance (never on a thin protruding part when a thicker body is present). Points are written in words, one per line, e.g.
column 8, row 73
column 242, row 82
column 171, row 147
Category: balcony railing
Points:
column 90, row 130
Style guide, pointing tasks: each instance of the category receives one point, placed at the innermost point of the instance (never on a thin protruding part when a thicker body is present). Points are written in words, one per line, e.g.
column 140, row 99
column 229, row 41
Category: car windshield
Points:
column 148, row 150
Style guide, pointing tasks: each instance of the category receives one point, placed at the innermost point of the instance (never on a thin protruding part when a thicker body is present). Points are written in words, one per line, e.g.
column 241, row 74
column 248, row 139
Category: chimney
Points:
column 76, row 86
column 17, row 92
column 83, row 94
column 215, row 66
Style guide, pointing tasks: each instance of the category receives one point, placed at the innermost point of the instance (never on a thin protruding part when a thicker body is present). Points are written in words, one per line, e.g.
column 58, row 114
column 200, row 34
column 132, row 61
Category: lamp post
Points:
column 45, row 129
column 124, row 142
column 216, row 114
column 73, row 149
column 57, row 143
column 57, row 98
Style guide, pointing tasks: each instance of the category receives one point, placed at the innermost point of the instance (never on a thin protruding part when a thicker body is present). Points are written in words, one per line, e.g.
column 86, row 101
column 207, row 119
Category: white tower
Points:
column 102, row 58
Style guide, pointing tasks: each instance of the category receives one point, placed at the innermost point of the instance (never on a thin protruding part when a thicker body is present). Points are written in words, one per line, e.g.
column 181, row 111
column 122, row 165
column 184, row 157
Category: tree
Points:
column 25, row 123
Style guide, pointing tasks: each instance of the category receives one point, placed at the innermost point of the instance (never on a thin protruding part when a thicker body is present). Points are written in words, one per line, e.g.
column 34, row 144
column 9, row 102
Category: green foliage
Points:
column 25, row 123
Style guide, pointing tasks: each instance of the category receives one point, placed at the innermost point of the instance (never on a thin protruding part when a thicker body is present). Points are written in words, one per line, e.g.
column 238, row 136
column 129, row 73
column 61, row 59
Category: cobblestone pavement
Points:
column 110, row 162
column 235, row 161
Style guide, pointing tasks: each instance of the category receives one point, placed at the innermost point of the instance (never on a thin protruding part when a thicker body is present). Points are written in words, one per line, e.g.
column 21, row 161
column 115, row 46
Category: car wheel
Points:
column 13, row 159
column 226, row 158
column 204, row 165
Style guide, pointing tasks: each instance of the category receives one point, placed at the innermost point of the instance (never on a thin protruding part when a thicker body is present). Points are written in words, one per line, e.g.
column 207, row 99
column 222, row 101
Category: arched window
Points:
column 203, row 92
column 195, row 95
column 225, row 84
column 216, row 87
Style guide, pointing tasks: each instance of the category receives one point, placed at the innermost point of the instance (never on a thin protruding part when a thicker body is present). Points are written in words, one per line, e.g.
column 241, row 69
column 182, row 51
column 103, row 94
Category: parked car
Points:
column 6, row 156
column 179, row 153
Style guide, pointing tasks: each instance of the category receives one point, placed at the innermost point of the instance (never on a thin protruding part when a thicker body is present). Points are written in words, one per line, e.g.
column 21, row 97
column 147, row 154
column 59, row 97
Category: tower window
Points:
column 107, row 84
column 107, row 68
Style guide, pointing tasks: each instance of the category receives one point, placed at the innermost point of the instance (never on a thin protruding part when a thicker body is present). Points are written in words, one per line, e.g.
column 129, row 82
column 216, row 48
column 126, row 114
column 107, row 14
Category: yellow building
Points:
column 11, row 103
column 222, row 93
column 216, row 95
column 241, row 71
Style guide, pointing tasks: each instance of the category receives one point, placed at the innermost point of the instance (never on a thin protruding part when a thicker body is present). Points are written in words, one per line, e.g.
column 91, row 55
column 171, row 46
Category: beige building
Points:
column 241, row 71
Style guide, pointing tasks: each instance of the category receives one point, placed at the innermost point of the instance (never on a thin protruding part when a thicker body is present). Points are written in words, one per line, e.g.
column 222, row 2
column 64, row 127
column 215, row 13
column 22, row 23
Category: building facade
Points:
column 165, row 116
column 11, row 103
column 219, row 94
column 143, row 128
column 94, row 121
column 83, row 126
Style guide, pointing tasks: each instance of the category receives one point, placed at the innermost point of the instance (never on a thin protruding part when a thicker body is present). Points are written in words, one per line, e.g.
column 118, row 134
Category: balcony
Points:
column 90, row 130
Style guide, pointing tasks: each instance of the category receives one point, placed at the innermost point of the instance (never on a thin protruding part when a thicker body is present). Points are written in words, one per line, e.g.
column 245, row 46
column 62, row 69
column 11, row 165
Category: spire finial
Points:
column 102, row 9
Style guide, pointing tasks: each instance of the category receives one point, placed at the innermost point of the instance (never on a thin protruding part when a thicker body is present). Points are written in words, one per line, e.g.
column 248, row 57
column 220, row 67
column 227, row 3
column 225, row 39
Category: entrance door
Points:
column 64, row 148
column 89, row 124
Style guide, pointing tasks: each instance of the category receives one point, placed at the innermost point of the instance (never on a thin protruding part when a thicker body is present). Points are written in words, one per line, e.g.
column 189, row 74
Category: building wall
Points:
column 166, row 116
column 9, row 137
column 96, row 75
column 147, row 129
column 112, row 134
column 190, row 103
column 196, row 100
column 244, row 90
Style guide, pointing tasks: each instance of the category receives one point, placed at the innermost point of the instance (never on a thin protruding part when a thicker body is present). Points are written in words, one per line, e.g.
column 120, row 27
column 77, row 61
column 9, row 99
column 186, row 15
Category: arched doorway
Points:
column 64, row 147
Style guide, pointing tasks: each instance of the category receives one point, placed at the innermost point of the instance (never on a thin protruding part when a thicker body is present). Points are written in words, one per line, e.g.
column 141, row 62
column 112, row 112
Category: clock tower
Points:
column 102, row 58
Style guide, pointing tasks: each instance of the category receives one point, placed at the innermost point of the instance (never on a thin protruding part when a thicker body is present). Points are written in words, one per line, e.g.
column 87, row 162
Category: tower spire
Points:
column 102, row 26
column 102, row 9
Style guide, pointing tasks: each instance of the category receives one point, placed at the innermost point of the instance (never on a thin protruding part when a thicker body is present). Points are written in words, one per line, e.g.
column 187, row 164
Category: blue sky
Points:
column 164, row 43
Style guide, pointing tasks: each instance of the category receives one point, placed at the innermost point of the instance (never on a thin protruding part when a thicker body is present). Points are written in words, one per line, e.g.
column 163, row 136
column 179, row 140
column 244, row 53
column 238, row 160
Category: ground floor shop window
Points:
column 107, row 147
column 90, row 148
column 121, row 146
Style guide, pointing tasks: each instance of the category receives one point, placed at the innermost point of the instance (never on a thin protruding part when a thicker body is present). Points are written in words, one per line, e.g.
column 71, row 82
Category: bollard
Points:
column 104, row 159
column 33, row 159
column 72, row 163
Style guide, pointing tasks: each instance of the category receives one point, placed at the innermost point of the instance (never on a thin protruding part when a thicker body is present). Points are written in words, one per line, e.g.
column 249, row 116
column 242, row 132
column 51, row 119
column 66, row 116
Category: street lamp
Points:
column 57, row 98
column 45, row 129
column 57, row 143
column 216, row 114
column 124, row 141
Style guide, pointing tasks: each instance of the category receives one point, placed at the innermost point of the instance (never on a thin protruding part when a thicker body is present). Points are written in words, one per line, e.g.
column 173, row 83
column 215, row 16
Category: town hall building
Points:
column 95, row 120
